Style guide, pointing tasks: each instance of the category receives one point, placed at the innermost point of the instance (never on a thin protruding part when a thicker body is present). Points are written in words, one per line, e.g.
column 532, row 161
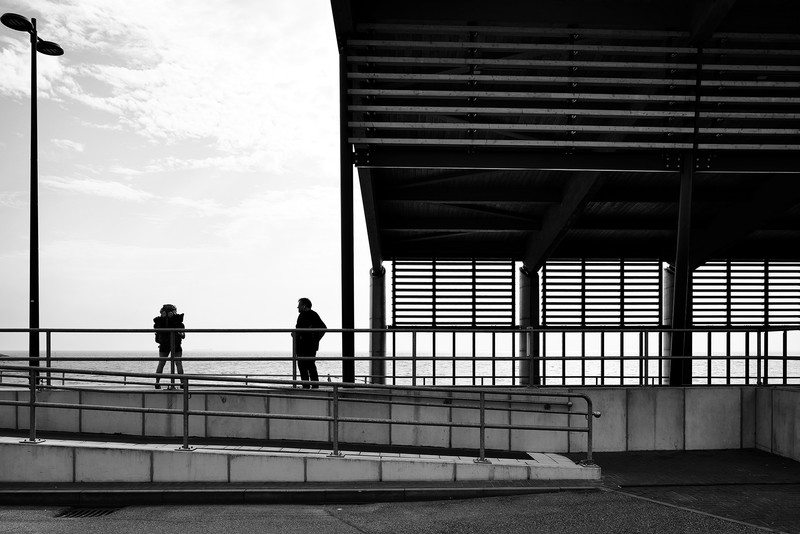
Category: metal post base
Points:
column 481, row 461
column 185, row 449
column 336, row 455
column 32, row 441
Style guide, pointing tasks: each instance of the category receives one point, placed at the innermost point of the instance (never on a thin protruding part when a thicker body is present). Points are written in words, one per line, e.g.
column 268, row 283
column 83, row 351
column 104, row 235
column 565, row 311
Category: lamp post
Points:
column 20, row 23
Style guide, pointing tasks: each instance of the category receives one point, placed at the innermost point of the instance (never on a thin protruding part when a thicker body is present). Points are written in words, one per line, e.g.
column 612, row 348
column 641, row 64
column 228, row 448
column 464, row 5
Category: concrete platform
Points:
column 72, row 461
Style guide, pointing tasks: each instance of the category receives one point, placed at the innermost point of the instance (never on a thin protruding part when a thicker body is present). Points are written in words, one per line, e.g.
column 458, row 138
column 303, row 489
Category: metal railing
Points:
column 526, row 401
column 546, row 356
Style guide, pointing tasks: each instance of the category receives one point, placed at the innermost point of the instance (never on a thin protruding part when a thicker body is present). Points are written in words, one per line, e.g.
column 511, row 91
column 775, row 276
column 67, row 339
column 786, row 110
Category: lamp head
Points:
column 17, row 22
column 49, row 48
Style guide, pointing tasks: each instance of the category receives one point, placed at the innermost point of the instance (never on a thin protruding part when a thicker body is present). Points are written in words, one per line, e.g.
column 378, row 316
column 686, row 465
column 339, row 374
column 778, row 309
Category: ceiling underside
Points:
column 561, row 129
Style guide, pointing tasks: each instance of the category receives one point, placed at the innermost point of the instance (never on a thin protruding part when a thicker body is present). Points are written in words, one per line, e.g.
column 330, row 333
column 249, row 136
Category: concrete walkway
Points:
column 741, row 491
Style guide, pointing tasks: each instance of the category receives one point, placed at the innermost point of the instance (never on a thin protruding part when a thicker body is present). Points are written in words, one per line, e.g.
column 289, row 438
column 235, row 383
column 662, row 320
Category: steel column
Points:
column 347, row 246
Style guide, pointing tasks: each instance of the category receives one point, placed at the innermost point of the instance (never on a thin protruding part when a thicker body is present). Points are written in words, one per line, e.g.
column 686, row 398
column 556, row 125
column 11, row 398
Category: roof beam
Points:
column 407, row 157
column 371, row 217
column 466, row 195
column 457, row 224
column 707, row 15
column 775, row 196
column 558, row 219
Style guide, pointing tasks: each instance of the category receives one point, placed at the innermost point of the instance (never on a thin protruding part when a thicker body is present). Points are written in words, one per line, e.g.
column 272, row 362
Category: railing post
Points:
column 335, row 432
column 482, row 459
column 33, row 378
column 185, row 385
column 589, row 415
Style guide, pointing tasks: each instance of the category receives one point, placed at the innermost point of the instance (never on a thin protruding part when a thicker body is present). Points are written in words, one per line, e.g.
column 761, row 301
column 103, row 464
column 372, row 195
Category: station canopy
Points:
column 562, row 128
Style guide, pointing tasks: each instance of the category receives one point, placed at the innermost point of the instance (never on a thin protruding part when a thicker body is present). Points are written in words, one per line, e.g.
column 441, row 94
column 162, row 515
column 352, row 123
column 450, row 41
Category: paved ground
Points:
column 749, row 486
column 703, row 492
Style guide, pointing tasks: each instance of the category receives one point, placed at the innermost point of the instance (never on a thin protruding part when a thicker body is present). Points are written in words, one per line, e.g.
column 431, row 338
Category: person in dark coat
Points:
column 168, row 318
column 307, row 343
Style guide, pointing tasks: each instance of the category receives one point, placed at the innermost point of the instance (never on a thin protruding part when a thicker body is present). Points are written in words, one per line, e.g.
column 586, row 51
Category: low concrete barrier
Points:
column 635, row 418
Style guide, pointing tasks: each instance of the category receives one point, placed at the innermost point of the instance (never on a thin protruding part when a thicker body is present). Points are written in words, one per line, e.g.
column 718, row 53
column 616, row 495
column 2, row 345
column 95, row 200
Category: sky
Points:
column 188, row 154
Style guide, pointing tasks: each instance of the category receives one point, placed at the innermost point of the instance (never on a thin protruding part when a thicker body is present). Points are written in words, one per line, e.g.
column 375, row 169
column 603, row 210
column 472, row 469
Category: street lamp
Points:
column 20, row 23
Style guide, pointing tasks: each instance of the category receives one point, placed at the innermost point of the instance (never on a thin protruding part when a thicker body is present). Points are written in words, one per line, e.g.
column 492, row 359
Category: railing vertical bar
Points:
column 474, row 361
column 583, row 358
column 785, row 357
column 185, row 384
column 766, row 358
column 494, row 367
column 453, row 369
column 48, row 353
column 747, row 362
column 622, row 358
column 642, row 379
column 602, row 358
column 589, row 416
column 394, row 358
column 433, row 358
column 728, row 357
column 513, row 360
column 172, row 346
column 294, row 357
column 563, row 358
column 414, row 358
column 660, row 338
column 544, row 356
column 335, row 430
column 33, row 378
column 709, row 352
column 483, row 427
column 758, row 358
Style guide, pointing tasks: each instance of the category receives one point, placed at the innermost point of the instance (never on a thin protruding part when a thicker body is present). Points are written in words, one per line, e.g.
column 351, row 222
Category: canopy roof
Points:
column 562, row 128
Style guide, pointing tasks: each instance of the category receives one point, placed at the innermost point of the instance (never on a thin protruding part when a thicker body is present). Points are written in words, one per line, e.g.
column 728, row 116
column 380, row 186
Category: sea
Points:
column 217, row 367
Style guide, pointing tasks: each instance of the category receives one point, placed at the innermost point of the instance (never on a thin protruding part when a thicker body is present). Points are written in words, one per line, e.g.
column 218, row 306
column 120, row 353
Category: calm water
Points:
column 275, row 365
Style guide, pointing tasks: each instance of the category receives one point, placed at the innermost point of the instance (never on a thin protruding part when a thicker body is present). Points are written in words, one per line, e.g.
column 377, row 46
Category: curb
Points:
column 130, row 497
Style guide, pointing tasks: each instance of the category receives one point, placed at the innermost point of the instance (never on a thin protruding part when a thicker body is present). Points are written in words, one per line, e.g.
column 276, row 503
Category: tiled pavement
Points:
column 748, row 486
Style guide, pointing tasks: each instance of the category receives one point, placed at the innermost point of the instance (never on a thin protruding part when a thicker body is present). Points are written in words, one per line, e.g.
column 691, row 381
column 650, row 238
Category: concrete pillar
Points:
column 377, row 320
column 528, row 368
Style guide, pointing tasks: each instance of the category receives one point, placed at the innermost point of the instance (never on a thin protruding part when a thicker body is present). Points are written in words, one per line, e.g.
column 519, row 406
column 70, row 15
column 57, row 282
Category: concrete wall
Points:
column 778, row 421
column 635, row 418
column 57, row 461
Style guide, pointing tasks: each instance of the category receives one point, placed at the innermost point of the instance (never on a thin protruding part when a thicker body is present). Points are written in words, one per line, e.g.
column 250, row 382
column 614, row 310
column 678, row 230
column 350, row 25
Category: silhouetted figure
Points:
column 168, row 342
column 307, row 343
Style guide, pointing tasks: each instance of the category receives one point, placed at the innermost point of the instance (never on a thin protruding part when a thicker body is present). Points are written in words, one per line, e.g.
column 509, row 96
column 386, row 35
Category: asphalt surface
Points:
column 654, row 492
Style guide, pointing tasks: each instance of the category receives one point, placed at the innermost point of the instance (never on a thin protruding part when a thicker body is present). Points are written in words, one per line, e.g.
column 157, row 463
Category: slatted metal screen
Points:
column 468, row 293
column 601, row 292
column 754, row 293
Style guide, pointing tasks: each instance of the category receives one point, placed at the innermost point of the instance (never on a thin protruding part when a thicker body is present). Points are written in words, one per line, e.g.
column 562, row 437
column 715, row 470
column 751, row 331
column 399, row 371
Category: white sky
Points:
column 188, row 153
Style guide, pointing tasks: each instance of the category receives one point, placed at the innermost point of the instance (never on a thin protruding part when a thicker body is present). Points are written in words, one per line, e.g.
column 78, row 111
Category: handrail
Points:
column 422, row 356
column 188, row 381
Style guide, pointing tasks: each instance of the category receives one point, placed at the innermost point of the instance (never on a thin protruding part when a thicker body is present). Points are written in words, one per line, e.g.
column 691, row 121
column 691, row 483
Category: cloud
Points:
column 255, row 93
column 66, row 144
column 101, row 188
column 13, row 200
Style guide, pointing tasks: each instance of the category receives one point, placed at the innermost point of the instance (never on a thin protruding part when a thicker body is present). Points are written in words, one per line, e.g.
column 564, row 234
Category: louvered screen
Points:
column 453, row 293
column 731, row 293
column 597, row 292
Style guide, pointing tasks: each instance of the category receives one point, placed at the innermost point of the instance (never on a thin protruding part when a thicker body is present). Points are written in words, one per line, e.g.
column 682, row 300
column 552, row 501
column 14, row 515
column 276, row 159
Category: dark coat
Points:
column 162, row 338
column 307, row 344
